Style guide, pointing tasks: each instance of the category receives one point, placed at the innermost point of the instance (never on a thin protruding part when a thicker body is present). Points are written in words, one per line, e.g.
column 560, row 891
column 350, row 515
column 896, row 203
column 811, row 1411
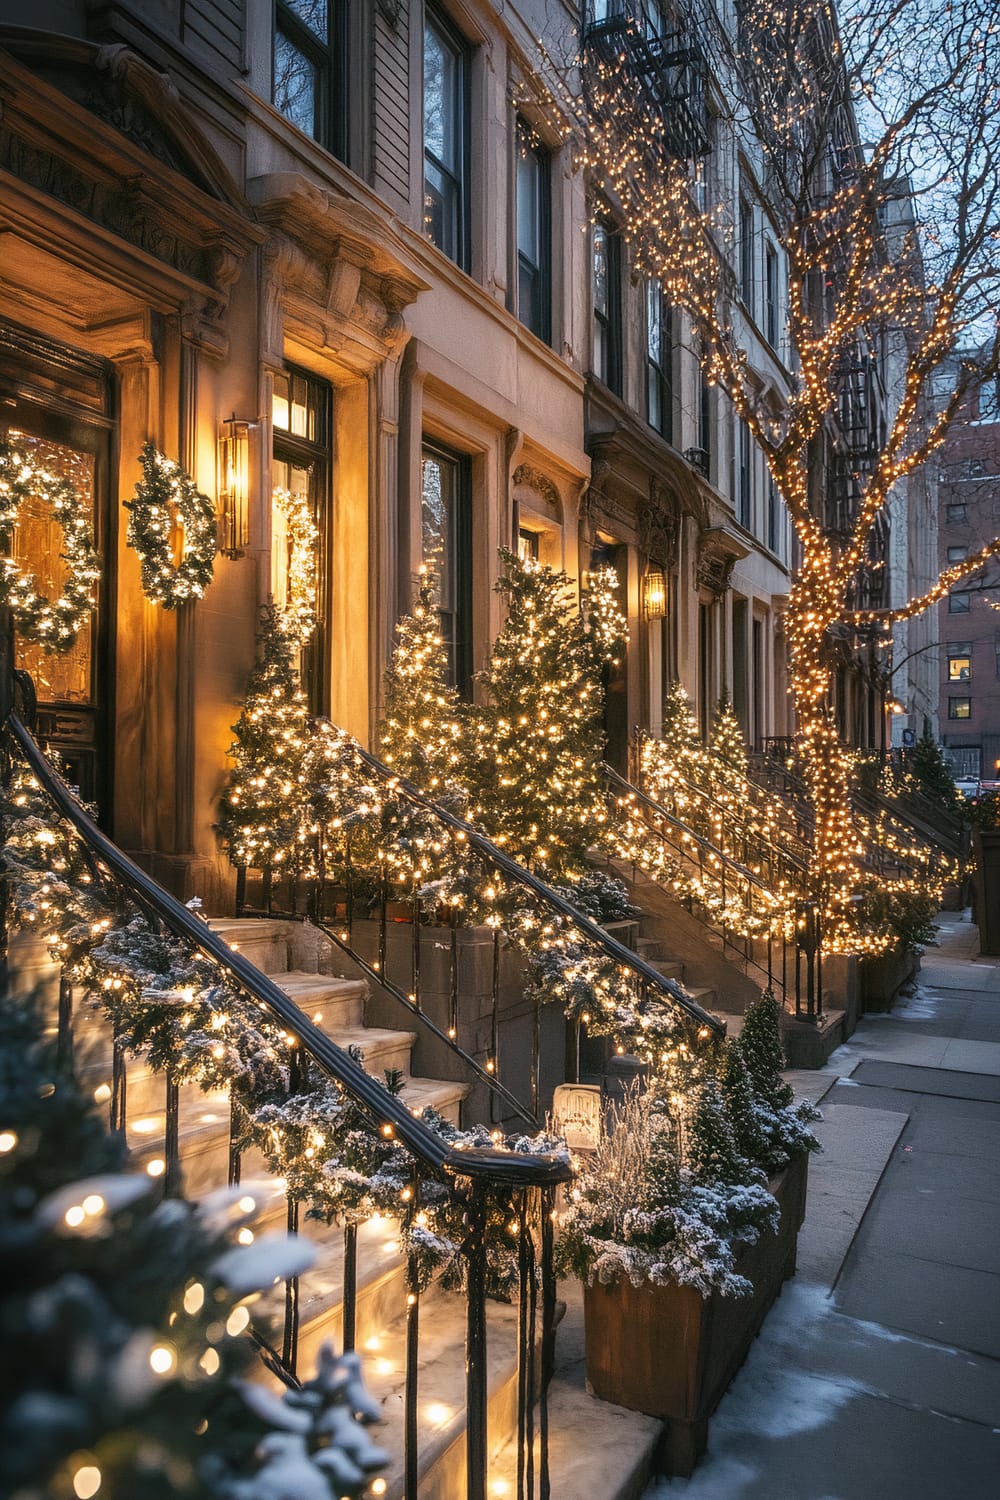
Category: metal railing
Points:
column 351, row 901
column 728, row 898
column 525, row 1183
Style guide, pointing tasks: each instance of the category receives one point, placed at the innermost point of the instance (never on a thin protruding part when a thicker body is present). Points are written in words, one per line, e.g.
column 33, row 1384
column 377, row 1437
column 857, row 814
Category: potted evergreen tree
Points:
column 683, row 1227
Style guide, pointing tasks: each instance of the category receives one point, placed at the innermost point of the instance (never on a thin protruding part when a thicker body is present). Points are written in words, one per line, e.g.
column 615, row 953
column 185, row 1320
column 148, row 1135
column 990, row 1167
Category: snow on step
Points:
column 381, row 1050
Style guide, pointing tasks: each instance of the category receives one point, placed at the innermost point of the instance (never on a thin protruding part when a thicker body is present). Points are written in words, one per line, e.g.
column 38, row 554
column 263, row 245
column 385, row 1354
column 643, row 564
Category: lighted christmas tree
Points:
column 261, row 816
column 725, row 738
column 536, row 755
column 422, row 719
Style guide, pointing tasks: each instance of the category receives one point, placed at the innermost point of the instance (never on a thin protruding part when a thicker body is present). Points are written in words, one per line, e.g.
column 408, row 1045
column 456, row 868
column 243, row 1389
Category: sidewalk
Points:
column 877, row 1373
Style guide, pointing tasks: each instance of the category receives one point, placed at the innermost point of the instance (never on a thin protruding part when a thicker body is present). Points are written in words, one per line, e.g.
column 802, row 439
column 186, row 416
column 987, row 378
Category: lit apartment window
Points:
column 956, row 515
column 959, row 708
column 606, row 250
column 446, row 523
column 959, row 602
column 746, row 253
column 446, row 139
column 959, row 661
column 527, row 545
column 659, row 362
column 771, row 296
column 309, row 84
column 534, row 236
column 300, row 419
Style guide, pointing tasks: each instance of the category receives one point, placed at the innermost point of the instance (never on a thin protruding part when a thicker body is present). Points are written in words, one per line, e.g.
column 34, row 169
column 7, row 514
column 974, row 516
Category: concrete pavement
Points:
column 877, row 1374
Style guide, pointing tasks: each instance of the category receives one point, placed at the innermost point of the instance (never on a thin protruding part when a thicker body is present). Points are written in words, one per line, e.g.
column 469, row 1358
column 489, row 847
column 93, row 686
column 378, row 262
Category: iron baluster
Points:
column 171, row 1139
column 475, row 1348
column 119, row 1087
column 411, row 1378
column 350, row 1285
column 64, row 1036
column 493, row 1060
column 290, row 1338
column 547, row 1206
column 415, row 953
column 235, row 1136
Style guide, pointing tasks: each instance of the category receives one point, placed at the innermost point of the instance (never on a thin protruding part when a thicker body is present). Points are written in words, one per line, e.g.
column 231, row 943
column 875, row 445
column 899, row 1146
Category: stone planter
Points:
column 669, row 1352
column 881, row 979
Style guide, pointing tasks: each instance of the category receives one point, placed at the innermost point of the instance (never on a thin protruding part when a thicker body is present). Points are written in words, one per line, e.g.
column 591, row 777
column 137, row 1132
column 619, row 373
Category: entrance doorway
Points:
column 56, row 405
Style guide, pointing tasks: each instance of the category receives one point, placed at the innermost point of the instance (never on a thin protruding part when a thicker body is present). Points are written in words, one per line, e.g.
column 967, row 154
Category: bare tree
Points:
column 875, row 142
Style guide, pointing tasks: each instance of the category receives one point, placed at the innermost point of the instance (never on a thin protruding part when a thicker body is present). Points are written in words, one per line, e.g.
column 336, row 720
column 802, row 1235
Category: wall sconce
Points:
column 234, row 486
column 654, row 594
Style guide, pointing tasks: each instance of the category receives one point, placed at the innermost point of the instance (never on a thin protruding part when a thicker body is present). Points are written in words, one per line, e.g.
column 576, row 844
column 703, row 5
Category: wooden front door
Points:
column 55, row 404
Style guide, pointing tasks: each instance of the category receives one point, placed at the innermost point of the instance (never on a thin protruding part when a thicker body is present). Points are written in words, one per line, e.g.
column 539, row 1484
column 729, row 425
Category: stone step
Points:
column 381, row 1050
column 267, row 942
column 326, row 999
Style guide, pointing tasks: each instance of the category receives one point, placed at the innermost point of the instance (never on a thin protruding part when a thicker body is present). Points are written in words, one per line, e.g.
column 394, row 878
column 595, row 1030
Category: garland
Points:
column 165, row 491
column 54, row 624
column 298, row 618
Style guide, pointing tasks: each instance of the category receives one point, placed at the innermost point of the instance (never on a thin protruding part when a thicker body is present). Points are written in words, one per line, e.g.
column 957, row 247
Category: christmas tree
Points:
column 537, row 743
column 422, row 718
column 760, row 1044
column 741, row 1106
column 928, row 765
column 711, row 1152
column 725, row 738
column 262, row 814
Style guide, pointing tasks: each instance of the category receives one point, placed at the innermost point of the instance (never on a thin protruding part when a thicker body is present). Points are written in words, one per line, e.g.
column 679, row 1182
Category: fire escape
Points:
column 664, row 76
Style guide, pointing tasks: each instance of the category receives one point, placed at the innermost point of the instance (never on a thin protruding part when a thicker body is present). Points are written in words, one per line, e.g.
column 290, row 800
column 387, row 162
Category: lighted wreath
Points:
column 164, row 495
column 298, row 618
column 53, row 623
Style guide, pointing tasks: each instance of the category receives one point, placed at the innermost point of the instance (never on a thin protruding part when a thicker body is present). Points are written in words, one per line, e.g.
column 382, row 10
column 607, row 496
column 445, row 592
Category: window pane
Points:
column 279, row 402
column 959, row 604
column 600, row 269
column 654, row 322
column 441, row 89
column 959, row 668
column 312, row 13
column 959, row 708
column 529, row 199
column 956, row 554
column 956, row 515
column 437, row 509
column 441, row 209
column 295, row 84
column 527, row 545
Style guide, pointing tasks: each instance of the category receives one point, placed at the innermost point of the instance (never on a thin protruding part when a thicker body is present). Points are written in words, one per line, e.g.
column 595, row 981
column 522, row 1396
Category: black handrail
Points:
column 524, row 1169
column 590, row 929
column 616, row 779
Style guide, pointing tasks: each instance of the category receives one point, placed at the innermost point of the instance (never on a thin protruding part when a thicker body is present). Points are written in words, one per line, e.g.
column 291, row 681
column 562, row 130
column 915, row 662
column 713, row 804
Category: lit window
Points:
column 527, row 545
column 309, row 84
column 959, row 603
column 959, row 664
column 959, row 708
column 301, row 421
column 446, row 518
column 446, row 134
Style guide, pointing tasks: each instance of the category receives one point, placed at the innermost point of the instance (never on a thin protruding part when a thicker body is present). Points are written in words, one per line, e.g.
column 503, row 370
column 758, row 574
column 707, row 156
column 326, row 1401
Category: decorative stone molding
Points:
column 659, row 526
column 718, row 553
column 95, row 133
column 544, row 489
column 339, row 274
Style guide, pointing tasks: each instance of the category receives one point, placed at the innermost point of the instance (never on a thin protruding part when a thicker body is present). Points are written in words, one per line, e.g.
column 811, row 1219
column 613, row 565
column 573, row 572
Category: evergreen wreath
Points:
column 164, row 485
column 298, row 618
column 53, row 623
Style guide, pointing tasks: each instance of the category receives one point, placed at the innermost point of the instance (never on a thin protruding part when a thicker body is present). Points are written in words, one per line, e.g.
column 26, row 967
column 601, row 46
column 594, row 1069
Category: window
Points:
column 773, row 514
column 659, row 362
column 957, row 554
column 744, row 513
column 301, row 423
column 959, row 603
column 956, row 515
column 746, row 254
column 959, row 661
column 771, row 296
column 446, row 526
column 960, row 708
column 309, row 84
column 527, row 545
column 606, row 247
column 988, row 406
column 705, row 422
column 534, row 236
column 446, row 140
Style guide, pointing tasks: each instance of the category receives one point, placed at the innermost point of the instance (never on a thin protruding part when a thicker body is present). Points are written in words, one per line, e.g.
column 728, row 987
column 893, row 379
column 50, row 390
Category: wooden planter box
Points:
column 669, row 1352
column 881, row 979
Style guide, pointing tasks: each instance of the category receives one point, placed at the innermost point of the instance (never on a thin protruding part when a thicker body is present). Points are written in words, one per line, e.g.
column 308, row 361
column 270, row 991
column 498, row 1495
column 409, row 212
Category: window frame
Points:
column 315, row 455
column 744, row 497
column 608, row 320
column 746, row 264
column 952, row 520
column 458, row 639
column 525, row 146
column 953, row 708
column 958, row 651
column 660, row 371
column 329, row 58
column 955, row 608
column 772, row 295
column 453, row 40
